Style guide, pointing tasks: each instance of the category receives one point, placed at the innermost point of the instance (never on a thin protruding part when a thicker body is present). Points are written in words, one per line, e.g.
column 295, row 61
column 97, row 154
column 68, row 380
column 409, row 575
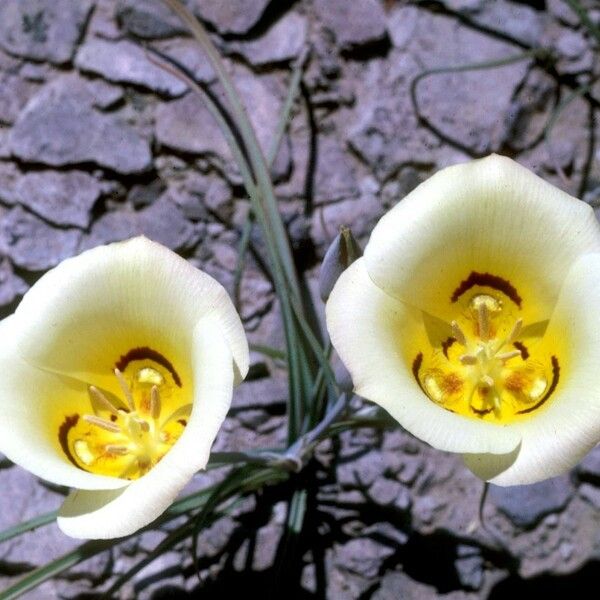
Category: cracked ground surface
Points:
column 98, row 144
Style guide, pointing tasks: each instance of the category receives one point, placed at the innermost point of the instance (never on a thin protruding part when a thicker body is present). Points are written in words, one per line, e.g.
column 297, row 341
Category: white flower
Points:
column 118, row 368
column 474, row 320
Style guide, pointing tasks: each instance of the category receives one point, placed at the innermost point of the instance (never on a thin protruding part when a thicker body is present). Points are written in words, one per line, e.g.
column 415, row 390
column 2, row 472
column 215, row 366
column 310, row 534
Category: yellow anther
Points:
column 492, row 304
column 125, row 389
column 483, row 320
column 468, row 359
column 124, row 437
column 120, row 450
column 101, row 400
column 102, row 423
column 154, row 403
column 514, row 334
column 508, row 355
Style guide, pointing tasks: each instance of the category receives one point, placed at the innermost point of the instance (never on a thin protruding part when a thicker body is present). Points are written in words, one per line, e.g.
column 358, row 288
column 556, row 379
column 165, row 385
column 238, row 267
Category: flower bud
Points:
column 344, row 250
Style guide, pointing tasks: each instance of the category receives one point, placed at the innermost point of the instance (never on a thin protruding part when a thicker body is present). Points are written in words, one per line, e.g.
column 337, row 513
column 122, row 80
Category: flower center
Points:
column 486, row 368
column 125, row 435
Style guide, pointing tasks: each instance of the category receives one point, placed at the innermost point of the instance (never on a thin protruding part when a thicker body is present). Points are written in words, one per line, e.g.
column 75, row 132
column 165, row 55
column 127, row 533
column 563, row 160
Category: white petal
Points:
column 488, row 216
column 30, row 422
column 90, row 514
column 366, row 327
column 87, row 312
column 564, row 430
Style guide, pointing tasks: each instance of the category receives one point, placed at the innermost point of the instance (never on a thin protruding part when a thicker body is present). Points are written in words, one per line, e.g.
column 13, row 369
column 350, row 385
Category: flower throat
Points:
column 489, row 367
column 124, row 435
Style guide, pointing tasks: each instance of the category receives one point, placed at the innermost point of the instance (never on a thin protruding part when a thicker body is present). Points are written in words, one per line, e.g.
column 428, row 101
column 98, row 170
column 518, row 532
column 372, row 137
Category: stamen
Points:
column 125, row 389
column 102, row 423
column 479, row 380
column 468, row 359
column 122, row 435
column 516, row 330
column 120, row 450
column 102, row 400
column 483, row 318
column 154, row 402
column 458, row 334
column 508, row 355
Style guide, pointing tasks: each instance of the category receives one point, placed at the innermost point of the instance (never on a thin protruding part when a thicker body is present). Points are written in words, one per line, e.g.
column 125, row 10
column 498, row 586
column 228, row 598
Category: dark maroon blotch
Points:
column 145, row 353
column 487, row 280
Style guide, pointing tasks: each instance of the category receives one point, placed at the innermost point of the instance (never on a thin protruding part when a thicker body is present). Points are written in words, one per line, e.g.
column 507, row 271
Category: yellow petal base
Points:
column 125, row 435
column 485, row 364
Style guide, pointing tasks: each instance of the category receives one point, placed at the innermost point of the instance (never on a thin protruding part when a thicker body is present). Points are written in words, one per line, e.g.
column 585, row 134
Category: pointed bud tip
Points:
column 342, row 252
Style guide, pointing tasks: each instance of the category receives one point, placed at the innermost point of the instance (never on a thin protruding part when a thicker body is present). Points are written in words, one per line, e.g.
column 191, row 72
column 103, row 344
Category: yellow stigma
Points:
column 485, row 368
column 125, row 434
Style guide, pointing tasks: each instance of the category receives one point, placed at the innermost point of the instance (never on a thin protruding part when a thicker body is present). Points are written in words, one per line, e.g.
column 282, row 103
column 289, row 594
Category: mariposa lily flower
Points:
column 118, row 368
column 473, row 320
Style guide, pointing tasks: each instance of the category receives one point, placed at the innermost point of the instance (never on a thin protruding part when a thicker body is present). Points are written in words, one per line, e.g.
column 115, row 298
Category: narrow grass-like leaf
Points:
column 315, row 345
column 266, row 211
column 584, row 17
column 27, row 526
column 282, row 124
column 274, row 353
column 241, row 259
column 577, row 93
column 288, row 547
column 55, row 567
column 255, row 154
column 172, row 539
column 263, row 457
column 286, row 111
column 297, row 511
column 94, row 547
column 244, row 479
column 295, row 352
